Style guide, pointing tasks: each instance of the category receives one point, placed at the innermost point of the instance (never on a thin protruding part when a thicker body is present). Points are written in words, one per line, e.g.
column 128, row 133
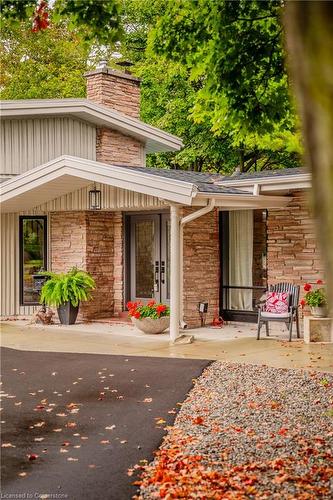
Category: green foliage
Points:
column 316, row 298
column 97, row 20
column 46, row 64
column 234, row 55
column 74, row 286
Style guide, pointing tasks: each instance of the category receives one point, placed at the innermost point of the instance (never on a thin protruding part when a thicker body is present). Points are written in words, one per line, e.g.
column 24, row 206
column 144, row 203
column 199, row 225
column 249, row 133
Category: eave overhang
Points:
column 67, row 174
column 155, row 139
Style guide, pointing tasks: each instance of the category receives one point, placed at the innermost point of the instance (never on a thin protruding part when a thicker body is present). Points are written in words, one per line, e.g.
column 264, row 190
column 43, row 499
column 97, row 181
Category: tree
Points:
column 96, row 20
column 47, row 64
column 310, row 44
column 233, row 52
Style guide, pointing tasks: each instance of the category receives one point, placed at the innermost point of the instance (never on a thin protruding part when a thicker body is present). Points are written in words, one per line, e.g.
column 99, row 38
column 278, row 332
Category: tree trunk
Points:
column 309, row 37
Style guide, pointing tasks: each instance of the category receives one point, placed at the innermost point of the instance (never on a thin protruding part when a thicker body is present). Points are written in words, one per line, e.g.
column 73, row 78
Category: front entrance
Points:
column 149, row 257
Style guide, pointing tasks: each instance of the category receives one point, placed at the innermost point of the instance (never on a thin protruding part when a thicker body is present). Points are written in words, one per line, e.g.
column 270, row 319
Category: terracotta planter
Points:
column 319, row 312
column 150, row 325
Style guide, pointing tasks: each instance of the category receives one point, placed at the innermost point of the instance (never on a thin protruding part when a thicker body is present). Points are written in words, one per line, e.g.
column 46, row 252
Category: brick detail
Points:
column 201, row 258
column 86, row 240
column 293, row 253
column 118, row 263
column 118, row 149
column 114, row 89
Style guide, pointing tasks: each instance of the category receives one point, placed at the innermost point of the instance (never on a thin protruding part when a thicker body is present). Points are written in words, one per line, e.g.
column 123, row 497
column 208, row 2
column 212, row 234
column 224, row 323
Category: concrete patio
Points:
column 234, row 342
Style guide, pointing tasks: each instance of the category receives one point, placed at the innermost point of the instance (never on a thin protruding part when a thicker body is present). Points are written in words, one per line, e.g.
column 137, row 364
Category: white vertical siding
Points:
column 112, row 199
column 25, row 144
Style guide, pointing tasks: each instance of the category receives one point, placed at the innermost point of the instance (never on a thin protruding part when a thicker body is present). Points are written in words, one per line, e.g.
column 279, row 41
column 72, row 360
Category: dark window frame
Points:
column 233, row 314
column 21, row 260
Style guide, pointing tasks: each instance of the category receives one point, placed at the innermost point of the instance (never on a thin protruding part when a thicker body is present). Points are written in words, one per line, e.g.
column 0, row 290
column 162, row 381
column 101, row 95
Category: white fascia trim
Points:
column 297, row 181
column 99, row 114
column 167, row 189
column 242, row 201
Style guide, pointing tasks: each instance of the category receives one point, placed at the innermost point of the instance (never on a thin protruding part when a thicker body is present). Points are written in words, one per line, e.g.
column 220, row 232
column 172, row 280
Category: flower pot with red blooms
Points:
column 151, row 317
column 316, row 299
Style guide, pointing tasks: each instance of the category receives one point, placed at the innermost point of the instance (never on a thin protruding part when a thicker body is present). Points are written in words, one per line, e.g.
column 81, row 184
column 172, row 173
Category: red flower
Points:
column 303, row 303
column 151, row 303
column 307, row 287
column 136, row 314
column 320, row 282
column 161, row 308
column 130, row 305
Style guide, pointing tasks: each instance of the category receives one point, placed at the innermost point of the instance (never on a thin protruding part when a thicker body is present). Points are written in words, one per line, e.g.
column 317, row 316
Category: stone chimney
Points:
column 121, row 92
column 115, row 89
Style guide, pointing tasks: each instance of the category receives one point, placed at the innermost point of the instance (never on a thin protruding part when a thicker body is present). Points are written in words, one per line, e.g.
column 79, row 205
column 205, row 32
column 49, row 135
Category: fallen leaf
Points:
column 71, row 459
column 198, row 420
column 105, row 441
column 147, row 400
column 39, row 439
column 7, row 445
column 22, row 474
column 32, row 456
column 123, row 441
column 110, row 427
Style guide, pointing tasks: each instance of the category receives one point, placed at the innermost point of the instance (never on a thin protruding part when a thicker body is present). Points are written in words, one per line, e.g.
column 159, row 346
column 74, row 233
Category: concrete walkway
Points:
column 234, row 342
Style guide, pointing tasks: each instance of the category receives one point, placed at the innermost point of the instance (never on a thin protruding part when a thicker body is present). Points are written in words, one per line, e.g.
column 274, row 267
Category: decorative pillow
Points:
column 277, row 302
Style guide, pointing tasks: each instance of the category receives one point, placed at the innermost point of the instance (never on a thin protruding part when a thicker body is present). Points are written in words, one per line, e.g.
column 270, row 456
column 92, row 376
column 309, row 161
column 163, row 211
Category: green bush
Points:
column 74, row 286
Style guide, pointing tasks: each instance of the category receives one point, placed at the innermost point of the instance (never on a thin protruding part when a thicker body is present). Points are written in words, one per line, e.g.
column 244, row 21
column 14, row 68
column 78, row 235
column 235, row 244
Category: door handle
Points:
column 163, row 272
column 157, row 279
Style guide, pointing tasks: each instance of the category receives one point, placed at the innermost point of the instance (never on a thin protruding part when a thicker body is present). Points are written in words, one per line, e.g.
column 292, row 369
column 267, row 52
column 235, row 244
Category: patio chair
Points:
column 287, row 317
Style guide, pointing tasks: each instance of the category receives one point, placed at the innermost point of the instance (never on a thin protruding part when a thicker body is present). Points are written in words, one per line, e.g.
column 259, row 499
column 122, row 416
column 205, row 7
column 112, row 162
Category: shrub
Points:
column 74, row 286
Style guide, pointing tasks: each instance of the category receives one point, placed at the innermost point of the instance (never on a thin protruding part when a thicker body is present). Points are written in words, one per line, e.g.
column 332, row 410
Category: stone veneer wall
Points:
column 86, row 240
column 118, row 262
column 118, row 149
column 201, row 267
column 292, row 246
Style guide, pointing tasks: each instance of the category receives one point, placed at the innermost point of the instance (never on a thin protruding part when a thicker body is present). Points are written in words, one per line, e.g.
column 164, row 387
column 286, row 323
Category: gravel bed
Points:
column 248, row 431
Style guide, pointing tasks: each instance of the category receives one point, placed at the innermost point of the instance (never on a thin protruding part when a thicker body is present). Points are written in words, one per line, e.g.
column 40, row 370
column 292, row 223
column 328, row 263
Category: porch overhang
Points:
column 67, row 174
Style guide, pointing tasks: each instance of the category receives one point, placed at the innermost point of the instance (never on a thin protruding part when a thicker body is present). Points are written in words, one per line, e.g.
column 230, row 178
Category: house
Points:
column 180, row 237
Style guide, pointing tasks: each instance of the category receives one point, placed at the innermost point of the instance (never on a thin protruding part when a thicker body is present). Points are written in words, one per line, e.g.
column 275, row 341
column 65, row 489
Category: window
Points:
column 244, row 266
column 33, row 255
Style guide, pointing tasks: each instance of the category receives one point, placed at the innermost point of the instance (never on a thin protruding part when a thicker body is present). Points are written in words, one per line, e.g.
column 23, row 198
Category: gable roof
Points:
column 67, row 173
column 155, row 139
column 278, row 172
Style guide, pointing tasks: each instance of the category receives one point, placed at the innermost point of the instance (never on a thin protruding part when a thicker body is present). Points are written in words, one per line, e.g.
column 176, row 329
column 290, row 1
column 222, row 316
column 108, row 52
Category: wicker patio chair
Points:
column 288, row 317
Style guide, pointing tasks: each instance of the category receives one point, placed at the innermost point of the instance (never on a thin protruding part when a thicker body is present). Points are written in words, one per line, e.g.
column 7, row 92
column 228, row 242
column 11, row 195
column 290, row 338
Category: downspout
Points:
column 184, row 220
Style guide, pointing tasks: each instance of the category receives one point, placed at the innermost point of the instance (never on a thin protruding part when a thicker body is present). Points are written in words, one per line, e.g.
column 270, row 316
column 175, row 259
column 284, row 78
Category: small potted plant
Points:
column 65, row 291
column 151, row 317
column 316, row 298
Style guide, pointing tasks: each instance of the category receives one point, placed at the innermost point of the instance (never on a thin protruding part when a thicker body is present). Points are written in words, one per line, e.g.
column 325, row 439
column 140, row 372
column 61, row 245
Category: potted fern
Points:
column 65, row 291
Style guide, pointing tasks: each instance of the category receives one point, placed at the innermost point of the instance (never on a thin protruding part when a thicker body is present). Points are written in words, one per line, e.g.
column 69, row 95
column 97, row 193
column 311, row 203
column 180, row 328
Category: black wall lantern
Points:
column 95, row 199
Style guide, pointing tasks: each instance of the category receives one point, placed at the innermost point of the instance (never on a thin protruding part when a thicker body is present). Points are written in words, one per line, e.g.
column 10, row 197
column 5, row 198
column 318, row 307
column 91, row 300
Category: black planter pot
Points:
column 67, row 313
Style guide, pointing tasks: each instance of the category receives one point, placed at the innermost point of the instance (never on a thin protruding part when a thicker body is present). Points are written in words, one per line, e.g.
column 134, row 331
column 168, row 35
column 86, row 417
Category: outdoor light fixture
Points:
column 95, row 197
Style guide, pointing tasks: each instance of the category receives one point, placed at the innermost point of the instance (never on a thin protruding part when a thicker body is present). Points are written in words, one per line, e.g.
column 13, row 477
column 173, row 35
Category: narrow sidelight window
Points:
column 33, row 255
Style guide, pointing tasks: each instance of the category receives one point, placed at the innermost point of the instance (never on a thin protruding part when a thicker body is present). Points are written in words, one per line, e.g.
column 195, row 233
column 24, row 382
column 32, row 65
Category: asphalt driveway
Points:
column 74, row 424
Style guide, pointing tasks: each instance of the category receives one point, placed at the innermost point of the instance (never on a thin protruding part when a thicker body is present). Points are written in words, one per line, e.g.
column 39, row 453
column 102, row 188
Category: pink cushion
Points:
column 277, row 302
